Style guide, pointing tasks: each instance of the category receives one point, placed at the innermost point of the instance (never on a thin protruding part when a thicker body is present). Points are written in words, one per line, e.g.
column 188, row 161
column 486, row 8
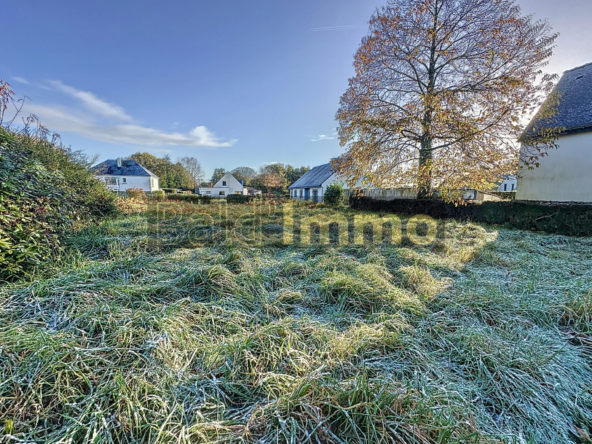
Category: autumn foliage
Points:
column 442, row 92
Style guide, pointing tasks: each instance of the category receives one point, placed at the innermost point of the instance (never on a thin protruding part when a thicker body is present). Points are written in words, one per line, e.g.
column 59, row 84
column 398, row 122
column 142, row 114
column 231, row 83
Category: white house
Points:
column 228, row 184
column 565, row 175
column 509, row 183
column 312, row 185
column 120, row 175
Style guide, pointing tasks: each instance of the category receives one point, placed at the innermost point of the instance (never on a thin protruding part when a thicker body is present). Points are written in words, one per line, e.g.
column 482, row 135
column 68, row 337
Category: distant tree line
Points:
column 273, row 178
column 187, row 173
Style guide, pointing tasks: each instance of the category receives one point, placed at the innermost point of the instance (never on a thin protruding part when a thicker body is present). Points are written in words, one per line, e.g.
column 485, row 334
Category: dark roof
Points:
column 314, row 177
column 574, row 109
column 128, row 168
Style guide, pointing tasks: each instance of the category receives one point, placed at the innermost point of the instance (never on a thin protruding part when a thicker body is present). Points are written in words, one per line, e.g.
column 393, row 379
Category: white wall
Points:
column 146, row 183
column 234, row 186
column 332, row 179
column 509, row 184
column 565, row 175
column 215, row 192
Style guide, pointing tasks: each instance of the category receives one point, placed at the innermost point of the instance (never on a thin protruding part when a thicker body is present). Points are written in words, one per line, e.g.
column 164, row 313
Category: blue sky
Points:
column 231, row 82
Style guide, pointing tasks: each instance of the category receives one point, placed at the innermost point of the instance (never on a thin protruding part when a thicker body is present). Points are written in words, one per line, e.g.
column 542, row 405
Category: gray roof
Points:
column 314, row 177
column 128, row 168
column 574, row 111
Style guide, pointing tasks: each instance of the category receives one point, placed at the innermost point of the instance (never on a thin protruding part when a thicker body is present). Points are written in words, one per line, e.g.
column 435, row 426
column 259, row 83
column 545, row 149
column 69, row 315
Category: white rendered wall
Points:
column 565, row 175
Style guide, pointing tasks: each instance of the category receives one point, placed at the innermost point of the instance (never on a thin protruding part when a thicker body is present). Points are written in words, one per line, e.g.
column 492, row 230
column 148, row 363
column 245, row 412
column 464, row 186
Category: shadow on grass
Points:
column 464, row 339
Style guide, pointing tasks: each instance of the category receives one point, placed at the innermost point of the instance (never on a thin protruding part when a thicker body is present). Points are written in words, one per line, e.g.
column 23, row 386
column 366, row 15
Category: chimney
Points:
column 119, row 162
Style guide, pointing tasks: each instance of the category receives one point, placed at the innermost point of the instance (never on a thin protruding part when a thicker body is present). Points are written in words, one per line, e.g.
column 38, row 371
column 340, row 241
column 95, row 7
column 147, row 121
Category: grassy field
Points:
column 483, row 337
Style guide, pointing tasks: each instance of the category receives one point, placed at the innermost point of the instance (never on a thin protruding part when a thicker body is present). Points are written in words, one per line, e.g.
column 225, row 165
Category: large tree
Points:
column 217, row 175
column 171, row 175
column 192, row 165
column 293, row 174
column 441, row 93
column 272, row 177
column 244, row 173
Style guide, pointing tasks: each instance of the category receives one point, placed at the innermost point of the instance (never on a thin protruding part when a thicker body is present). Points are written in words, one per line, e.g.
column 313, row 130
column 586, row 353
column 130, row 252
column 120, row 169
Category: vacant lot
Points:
column 484, row 337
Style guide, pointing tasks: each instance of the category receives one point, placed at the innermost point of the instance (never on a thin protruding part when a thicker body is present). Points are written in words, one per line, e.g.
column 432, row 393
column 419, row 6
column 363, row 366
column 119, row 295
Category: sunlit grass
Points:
column 480, row 337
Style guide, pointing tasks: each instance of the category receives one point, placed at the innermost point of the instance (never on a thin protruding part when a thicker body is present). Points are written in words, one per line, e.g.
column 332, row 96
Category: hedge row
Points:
column 506, row 195
column 191, row 198
column 239, row 198
column 566, row 219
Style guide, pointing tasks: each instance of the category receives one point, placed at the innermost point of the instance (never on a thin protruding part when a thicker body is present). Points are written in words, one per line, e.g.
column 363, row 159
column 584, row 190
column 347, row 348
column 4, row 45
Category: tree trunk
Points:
column 425, row 188
column 425, row 151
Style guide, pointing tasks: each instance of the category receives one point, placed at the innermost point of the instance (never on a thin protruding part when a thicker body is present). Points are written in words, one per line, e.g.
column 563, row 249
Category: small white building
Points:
column 123, row 174
column 509, row 183
column 565, row 175
column 228, row 184
column 312, row 185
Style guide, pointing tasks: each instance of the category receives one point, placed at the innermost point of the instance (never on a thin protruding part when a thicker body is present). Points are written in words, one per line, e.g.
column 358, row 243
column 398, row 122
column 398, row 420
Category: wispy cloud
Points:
column 107, row 122
column 323, row 137
column 60, row 119
column 21, row 80
column 334, row 28
column 92, row 102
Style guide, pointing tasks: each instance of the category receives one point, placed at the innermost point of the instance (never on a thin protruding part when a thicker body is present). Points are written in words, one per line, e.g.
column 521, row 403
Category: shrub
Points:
column 238, row 198
column 92, row 197
column 36, row 209
column 136, row 193
column 206, row 199
column 46, row 190
column 158, row 195
column 170, row 190
column 334, row 195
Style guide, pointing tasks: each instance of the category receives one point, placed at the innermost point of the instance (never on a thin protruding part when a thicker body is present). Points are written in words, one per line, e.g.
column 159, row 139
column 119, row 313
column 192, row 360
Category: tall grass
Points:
column 480, row 338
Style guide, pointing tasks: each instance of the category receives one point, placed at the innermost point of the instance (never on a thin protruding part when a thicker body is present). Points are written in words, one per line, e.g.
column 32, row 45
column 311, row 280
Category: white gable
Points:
column 230, row 180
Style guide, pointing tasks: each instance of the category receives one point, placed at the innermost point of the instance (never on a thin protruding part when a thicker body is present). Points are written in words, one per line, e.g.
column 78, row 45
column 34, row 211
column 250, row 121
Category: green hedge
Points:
column 36, row 210
column 191, row 198
column 238, row 198
column 506, row 195
column 46, row 191
column 566, row 219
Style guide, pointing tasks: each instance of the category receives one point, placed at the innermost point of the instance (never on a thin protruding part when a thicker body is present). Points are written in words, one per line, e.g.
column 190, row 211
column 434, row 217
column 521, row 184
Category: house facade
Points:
column 123, row 174
column 228, row 184
column 509, row 183
column 565, row 175
column 312, row 185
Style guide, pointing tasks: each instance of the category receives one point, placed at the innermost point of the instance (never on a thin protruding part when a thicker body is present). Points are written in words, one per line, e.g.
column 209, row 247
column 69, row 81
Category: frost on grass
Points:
column 482, row 337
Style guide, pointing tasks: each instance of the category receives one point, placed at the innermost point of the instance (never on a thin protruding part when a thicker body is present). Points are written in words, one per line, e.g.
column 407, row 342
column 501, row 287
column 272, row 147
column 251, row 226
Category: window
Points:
column 513, row 185
column 208, row 192
column 110, row 181
column 123, row 180
column 223, row 183
column 505, row 187
column 222, row 193
column 300, row 193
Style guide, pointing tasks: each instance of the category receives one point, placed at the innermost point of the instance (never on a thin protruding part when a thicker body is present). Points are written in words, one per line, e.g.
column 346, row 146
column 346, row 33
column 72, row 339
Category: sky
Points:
column 230, row 82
